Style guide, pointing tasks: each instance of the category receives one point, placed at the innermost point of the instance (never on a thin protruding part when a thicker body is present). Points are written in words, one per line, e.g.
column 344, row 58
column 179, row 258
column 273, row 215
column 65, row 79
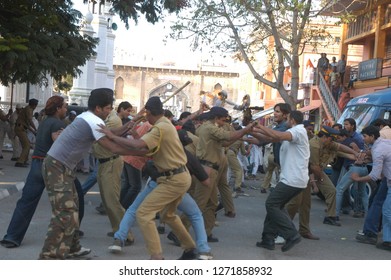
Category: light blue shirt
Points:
column 381, row 158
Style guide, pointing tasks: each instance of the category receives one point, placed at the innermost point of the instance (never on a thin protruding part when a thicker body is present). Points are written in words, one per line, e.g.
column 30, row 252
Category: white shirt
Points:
column 294, row 158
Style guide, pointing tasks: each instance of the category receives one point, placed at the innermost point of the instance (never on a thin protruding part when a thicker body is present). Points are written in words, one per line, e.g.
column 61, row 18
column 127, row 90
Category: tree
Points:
column 40, row 37
column 244, row 28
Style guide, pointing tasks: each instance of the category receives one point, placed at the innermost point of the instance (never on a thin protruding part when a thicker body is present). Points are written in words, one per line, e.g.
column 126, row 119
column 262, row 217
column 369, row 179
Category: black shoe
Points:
column 331, row 221
column 364, row 238
column 161, row 229
column 188, row 255
column 219, row 208
column 101, row 210
column 384, row 246
column 171, row 236
column 230, row 214
column 110, row 234
column 212, row 239
column 80, row 233
column 14, row 159
column 19, row 164
column 290, row 242
column 8, row 244
column 267, row 244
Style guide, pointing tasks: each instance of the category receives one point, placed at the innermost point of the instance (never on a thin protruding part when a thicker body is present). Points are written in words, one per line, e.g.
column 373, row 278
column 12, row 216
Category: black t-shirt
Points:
column 44, row 135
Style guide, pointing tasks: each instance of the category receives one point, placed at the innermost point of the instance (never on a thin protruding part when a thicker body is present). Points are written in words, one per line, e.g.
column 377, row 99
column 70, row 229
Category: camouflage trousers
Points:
column 62, row 238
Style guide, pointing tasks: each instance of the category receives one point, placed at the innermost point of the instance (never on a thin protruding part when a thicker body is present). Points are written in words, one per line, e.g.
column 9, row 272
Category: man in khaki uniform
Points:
column 109, row 178
column 234, row 164
column 166, row 150
column 212, row 138
column 24, row 122
column 323, row 150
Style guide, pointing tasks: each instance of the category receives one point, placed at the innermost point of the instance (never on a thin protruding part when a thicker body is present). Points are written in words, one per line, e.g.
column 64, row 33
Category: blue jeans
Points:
column 27, row 204
column 387, row 217
column 131, row 183
column 373, row 218
column 188, row 206
column 346, row 181
column 91, row 180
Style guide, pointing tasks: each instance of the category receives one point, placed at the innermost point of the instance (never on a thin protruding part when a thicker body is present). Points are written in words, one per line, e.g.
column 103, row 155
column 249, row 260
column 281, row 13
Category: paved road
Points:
column 237, row 236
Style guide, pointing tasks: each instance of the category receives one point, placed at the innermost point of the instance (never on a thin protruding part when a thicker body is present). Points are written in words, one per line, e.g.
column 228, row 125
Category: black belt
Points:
column 172, row 172
column 103, row 160
column 209, row 164
column 360, row 165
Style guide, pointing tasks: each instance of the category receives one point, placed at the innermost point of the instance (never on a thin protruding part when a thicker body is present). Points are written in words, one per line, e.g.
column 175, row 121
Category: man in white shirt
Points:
column 294, row 158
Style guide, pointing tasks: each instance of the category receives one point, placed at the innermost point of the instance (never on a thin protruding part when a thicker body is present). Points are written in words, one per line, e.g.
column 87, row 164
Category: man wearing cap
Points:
column 163, row 145
column 323, row 150
column 70, row 118
column 16, row 147
column 62, row 239
column 212, row 139
column 24, row 123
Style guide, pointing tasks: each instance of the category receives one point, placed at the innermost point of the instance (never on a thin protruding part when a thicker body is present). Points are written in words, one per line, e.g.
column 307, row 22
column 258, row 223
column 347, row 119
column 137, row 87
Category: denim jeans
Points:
column 131, row 183
column 373, row 218
column 188, row 206
column 346, row 181
column 387, row 217
column 27, row 204
column 91, row 180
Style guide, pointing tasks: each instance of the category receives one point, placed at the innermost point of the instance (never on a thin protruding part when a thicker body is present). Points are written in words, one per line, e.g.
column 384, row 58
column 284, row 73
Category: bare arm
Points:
column 120, row 149
column 276, row 136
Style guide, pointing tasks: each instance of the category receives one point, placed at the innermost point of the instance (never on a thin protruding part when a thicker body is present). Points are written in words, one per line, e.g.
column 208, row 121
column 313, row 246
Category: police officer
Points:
column 24, row 123
column 323, row 150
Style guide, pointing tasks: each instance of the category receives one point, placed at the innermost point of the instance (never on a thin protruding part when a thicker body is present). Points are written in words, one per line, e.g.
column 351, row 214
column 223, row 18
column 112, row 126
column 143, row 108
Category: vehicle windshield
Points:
column 361, row 113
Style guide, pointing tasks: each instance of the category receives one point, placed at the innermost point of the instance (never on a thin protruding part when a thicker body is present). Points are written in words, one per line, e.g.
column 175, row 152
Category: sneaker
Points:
column 188, row 255
column 212, row 239
column 331, row 221
column 205, row 256
column 171, row 236
column 82, row 252
column 117, row 246
column 363, row 238
column 8, row 244
column 279, row 240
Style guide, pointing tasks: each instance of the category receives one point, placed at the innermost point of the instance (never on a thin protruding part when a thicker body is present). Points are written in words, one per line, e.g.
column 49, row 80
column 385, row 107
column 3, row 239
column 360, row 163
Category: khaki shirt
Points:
column 25, row 117
column 210, row 145
column 192, row 148
column 112, row 121
column 166, row 148
column 320, row 154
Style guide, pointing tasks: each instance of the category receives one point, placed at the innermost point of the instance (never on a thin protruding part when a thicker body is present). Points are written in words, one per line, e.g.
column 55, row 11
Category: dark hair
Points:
column 125, row 105
column 297, row 116
column 344, row 132
column 100, row 97
column 168, row 113
column 184, row 115
column 339, row 126
column 352, row 122
column 379, row 122
column 285, row 108
column 33, row 102
column 371, row 131
column 52, row 104
column 189, row 126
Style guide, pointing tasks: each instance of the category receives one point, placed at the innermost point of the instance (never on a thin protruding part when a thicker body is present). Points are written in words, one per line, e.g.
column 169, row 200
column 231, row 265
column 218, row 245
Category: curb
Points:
column 10, row 189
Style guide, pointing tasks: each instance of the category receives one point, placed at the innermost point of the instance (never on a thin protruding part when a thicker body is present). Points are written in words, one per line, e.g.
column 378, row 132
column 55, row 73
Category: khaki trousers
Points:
column 328, row 190
column 271, row 166
column 24, row 141
column 164, row 199
column 301, row 204
column 109, row 181
column 223, row 187
column 236, row 168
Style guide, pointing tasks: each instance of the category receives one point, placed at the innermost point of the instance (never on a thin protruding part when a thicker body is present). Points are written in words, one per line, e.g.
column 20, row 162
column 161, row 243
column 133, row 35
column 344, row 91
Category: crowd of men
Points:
column 188, row 164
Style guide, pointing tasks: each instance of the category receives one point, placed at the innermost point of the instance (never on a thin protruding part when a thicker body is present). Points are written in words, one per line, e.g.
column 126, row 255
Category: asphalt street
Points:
column 237, row 236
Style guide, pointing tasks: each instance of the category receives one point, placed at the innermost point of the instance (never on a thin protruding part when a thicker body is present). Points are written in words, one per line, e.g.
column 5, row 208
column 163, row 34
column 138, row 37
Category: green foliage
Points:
column 41, row 37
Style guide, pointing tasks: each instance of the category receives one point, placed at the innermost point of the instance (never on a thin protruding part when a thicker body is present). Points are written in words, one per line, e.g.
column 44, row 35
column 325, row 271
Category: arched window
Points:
column 119, row 88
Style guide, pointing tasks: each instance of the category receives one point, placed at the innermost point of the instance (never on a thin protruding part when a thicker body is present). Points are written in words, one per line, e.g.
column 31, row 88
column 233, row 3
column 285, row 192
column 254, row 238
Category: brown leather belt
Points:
column 103, row 160
column 172, row 172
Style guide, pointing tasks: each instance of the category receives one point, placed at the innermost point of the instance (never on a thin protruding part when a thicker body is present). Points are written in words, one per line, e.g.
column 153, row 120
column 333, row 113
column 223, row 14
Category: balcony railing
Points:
column 362, row 24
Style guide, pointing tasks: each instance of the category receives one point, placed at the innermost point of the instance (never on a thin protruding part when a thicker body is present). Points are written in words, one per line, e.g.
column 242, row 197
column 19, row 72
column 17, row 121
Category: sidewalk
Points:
column 11, row 178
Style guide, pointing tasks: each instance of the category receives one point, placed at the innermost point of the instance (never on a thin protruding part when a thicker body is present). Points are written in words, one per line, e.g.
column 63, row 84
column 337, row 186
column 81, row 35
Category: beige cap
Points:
column 19, row 106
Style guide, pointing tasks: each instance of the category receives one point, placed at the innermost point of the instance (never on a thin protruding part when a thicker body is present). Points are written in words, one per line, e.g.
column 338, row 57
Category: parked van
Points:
column 367, row 108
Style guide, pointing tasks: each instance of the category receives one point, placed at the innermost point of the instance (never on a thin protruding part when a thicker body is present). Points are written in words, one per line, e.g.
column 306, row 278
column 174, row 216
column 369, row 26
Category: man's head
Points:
column 101, row 101
column 370, row 134
column 124, row 109
column 56, row 104
column 219, row 115
column 281, row 112
column 328, row 134
column 184, row 115
column 350, row 125
column 337, row 126
column 379, row 123
column 154, row 108
column 295, row 118
column 33, row 103
column 343, row 134
column 19, row 107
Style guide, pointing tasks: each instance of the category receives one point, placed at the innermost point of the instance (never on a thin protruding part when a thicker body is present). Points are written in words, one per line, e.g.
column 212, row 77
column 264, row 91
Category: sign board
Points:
column 370, row 69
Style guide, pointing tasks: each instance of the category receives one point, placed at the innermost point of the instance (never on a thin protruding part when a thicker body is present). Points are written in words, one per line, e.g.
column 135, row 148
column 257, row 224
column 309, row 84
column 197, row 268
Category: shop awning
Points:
column 315, row 104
